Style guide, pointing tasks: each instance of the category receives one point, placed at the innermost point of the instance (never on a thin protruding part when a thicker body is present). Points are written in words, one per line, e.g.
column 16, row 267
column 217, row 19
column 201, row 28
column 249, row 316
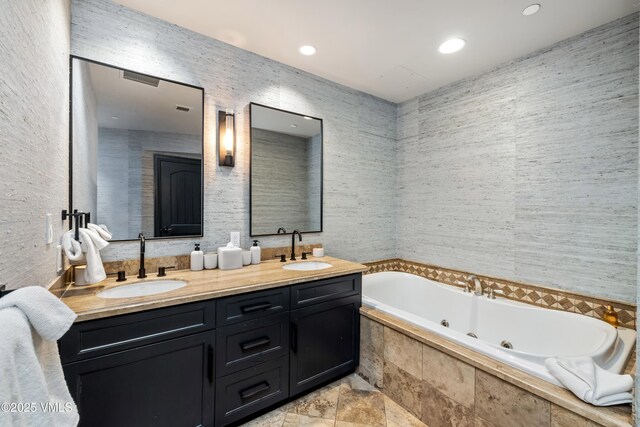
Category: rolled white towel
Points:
column 91, row 243
column 101, row 229
column 590, row 382
column 72, row 248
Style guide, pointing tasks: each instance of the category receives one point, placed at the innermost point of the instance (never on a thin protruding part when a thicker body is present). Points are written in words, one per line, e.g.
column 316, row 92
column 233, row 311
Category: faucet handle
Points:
column 162, row 270
column 304, row 254
column 283, row 258
column 122, row 275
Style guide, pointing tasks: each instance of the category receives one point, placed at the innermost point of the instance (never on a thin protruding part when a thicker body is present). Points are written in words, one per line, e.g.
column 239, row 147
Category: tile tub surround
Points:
column 444, row 384
column 359, row 130
column 529, row 294
column 530, row 171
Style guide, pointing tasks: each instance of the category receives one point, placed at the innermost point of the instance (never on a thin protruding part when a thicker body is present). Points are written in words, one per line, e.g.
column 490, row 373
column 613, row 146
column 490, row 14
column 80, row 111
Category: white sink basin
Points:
column 307, row 266
column 141, row 289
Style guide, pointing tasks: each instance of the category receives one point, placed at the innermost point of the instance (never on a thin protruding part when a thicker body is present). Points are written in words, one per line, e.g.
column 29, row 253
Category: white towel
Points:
column 590, row 382
column 91, row 243
column 101, row 229
column 32, row 320
column 72, row 248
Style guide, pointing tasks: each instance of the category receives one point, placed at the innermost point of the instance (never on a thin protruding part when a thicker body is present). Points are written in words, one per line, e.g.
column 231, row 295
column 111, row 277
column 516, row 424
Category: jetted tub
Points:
column 535, row 333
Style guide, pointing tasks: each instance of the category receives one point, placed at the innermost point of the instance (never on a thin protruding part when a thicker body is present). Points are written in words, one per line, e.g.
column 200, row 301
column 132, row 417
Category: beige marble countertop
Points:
column 202, row 285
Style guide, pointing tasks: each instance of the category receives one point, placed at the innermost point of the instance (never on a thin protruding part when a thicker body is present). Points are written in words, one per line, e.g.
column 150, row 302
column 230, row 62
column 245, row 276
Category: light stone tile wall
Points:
column 34, row 136
column 359, row 130
column 527, row 172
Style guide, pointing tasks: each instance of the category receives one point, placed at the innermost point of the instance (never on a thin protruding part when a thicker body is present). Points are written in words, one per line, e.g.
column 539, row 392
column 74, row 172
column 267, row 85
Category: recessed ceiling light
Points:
column 307, row 50
column 307, row 118
column 531, row 9
column 294, row 126
column 452, row 45
column 115, row 117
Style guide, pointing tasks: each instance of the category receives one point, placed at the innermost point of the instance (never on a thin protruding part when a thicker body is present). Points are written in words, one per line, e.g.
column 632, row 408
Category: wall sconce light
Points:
column 226, row 138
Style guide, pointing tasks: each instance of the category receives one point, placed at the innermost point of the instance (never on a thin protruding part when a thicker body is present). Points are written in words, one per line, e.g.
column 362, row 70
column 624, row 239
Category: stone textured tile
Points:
column 479, row 422
column 560, row 417
column 526, row 171
column 371, row 351
column 321, row 403
column 440, row 411
column 270, row 419
column 397, row 416
column 503, row 404
column 359, row 130
column 448, row 375
column 404, row 352
column 362, row 407
column 356, row 382
column 297, row 420
column 403, row 388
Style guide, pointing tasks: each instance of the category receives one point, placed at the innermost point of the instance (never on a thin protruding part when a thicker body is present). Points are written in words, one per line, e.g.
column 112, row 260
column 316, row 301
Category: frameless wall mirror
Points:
column 136, row 151
column 286, row 171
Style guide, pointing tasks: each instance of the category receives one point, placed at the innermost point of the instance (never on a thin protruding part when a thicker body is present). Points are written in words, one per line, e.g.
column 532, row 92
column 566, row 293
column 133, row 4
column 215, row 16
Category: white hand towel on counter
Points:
column 91, row 243
column 32, row 321
column 590, row 382
column 101, row 229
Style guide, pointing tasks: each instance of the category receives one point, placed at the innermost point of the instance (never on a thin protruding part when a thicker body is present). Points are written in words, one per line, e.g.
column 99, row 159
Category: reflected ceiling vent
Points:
column 140, row 78
column 183, row 108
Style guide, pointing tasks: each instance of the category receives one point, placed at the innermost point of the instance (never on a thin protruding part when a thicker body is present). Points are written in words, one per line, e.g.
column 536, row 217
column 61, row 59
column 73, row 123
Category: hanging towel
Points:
column 91, row 244
column 590, row 382
column 72, row 248
column 101, row 229
column 32, row 321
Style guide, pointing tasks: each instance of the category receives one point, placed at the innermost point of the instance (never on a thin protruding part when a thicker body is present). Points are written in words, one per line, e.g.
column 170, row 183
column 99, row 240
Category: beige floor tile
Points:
column 362, row 407
column 397, row 416
column 270, row 419
column 322, row 403
column 356, row 382
column 297, row 420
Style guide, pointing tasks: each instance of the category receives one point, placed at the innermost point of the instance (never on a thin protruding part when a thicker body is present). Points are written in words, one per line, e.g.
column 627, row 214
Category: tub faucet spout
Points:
column 475, row 284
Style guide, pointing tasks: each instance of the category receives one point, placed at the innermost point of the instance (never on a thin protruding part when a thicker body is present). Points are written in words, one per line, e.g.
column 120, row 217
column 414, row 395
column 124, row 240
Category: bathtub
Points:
column 534, row 333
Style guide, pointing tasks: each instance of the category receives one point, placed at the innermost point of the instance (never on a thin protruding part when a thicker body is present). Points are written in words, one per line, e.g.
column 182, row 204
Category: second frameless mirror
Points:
column 286, row 171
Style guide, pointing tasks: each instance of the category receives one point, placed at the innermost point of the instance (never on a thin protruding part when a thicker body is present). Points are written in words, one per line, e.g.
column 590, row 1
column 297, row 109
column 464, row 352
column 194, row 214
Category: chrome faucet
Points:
column 293, row 243
column 141, row 272
column 475, row 283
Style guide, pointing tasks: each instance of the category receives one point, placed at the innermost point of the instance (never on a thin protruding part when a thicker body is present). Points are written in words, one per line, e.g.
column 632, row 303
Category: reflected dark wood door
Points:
column 178, row 201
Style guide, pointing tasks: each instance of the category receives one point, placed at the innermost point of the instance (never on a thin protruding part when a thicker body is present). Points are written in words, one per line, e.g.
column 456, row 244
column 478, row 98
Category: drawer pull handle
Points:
column 253, row 390
column 255, row 307
column 260, row 342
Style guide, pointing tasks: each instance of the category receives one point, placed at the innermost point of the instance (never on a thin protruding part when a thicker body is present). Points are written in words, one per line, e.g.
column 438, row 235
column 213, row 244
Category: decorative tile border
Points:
column 530, row 294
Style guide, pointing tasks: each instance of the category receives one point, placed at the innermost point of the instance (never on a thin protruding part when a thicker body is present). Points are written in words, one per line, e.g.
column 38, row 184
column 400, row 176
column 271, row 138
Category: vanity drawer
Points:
column 245, row 392
column 244, row 307
column 246, row 344
column 98, row 337
column 325, row 290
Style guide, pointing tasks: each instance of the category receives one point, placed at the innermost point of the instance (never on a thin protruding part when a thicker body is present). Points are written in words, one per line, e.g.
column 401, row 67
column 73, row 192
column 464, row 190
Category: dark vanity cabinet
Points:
column 215, row 362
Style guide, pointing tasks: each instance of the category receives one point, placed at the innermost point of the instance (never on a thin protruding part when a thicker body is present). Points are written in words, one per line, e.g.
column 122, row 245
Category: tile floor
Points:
column 349, row 402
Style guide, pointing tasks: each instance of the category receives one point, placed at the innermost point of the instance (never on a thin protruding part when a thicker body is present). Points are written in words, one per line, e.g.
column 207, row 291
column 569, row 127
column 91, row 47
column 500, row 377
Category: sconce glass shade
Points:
column 226, row 138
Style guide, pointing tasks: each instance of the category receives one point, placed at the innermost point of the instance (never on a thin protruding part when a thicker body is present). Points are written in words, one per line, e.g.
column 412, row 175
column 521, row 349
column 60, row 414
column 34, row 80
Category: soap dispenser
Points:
column 256, row 252
column 197, row 259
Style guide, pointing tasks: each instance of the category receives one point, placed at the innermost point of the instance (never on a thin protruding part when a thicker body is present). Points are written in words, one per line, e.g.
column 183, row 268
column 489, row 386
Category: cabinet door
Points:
column 324, row 341
column 164, row 384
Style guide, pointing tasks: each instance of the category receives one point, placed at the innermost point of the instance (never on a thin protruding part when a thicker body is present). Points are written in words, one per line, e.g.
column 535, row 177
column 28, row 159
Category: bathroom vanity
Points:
column 219, row 359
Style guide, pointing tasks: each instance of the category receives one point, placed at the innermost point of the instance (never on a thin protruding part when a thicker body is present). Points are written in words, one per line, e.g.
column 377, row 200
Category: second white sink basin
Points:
column 307, row 266
column 141, row 289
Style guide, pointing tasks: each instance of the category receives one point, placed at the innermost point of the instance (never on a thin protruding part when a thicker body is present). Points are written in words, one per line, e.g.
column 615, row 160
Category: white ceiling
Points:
column 139, row 106
column 388, row 48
